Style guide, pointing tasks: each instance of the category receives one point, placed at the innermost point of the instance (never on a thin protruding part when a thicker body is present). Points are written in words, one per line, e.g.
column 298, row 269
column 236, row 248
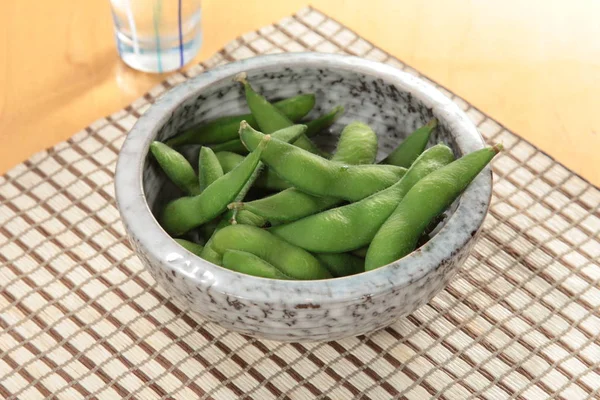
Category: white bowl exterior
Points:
column 299, row 310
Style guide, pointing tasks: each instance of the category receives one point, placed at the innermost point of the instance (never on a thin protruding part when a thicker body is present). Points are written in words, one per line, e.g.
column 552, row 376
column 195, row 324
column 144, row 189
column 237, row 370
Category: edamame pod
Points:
column 305, row 143
column 209, row 168
column 321, row 177
column 176, row 167
column 268, row 118
column 226, row 219
column 192, row 247
column 358, row 142
column 246, row 217
column 287, row 134
column 226, row 128
column 234, row 146
column 248, row 263
column 323, row 122
column 292, row 204
column 410, row 148
column 288, row 205
column 398, row 236
column 266, row 180
column 209, row 253
column 209, row 171
column 228, row 160
column 269, row 180
column 341, row 264
column 183, row 214
column 352, row 226
column 287, row 258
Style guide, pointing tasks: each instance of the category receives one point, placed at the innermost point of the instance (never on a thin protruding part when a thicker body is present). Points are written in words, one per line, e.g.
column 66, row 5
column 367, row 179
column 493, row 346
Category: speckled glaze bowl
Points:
column 394, row 104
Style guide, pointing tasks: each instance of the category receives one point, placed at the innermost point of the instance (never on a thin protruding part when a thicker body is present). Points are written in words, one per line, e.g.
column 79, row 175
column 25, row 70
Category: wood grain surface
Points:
column 534, row 66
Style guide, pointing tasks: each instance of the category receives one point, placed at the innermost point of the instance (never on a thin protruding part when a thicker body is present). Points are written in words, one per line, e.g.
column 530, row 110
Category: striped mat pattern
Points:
column 81, row 319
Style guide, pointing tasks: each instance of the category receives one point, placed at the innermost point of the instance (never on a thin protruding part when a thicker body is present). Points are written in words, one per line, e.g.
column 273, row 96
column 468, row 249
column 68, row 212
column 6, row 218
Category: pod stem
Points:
column 243, row 125
column 498, row 147
column 233, row 220
column 432, row 123
column 236, row 205
column 242, row 78
column 240, row 197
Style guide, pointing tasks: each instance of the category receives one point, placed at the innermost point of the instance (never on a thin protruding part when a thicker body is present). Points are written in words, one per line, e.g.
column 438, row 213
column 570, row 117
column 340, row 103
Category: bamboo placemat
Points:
column 80, row 318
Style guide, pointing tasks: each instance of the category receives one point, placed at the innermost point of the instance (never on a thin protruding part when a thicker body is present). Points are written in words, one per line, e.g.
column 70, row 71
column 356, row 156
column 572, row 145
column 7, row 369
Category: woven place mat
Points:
column 81, row 318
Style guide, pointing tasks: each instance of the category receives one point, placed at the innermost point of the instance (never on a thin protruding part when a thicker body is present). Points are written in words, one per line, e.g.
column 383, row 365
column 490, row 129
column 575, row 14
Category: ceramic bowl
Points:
column 393, row 103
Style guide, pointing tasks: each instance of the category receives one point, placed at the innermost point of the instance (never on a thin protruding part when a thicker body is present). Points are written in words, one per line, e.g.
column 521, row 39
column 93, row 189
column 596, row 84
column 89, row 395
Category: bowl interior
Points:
column 390, row 111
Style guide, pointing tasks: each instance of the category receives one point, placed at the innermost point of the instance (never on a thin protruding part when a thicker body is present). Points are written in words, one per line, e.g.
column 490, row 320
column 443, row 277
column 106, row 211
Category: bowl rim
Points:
column 149, row 237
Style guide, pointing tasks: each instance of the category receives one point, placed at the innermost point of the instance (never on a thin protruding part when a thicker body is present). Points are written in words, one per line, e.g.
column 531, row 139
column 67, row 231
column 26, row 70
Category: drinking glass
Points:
column 157, row 35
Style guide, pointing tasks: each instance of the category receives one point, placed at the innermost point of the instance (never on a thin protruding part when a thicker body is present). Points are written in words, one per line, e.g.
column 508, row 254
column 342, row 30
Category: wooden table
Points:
column 534, row 65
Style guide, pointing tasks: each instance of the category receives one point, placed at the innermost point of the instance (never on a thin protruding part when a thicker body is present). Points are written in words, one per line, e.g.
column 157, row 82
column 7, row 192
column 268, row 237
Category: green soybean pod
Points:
column 266, row 180
column 209, row 168
column 287, row 134
column 208, row 253
column 268, row 118
column 358, row 142
column 248, row 263
column 341, row 264
column 398, row 236
column 243, row 217
column 192, row 247
column 353, row 226
column 234, row 146
column 305, row 143
column 248, row 218
column 321, row 177
column 323, row 122
column 226, row 128
column 292, row 204
column 228, row 160
column 176, row 167
column 183, row 214
column 411, row 147
column 289, row 259
column 288, row 205
column 209, row 171
column 271, row 181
